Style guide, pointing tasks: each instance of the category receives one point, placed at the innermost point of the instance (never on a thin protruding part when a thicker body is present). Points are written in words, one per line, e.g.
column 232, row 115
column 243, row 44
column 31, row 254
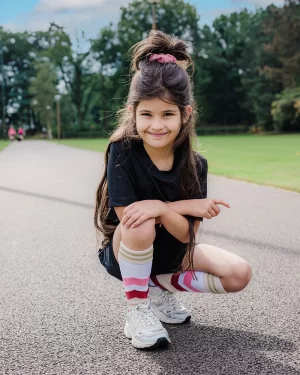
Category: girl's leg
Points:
column 134, row 250
column 233, row 271
column 216, row 270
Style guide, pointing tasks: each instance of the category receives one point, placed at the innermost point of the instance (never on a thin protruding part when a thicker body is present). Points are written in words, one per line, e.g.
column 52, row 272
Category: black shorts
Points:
column 168, row 254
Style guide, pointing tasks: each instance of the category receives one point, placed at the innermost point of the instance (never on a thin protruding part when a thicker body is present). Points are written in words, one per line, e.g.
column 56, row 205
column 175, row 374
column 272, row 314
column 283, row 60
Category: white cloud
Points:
column 207, row 17
column 89, row 16
column 76, row 16
column 62, row 5
column 260, row 3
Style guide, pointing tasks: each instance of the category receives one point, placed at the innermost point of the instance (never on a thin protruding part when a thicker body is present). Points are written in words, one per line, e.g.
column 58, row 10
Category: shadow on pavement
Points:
column 45, row 197
column 212, row 350
column 252, row 242
column 209, row 232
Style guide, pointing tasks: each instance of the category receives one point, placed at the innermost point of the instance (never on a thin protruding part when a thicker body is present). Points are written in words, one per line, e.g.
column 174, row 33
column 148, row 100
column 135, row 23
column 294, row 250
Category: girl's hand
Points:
column 136, row 213
column 207, row 208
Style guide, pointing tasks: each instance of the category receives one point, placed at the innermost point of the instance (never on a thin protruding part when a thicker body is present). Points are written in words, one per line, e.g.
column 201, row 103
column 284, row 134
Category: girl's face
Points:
column 158, row 123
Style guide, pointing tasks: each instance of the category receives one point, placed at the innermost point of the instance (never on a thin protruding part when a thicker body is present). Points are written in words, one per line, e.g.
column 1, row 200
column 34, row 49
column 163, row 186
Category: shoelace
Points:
column 147, row 317
column 175, row 305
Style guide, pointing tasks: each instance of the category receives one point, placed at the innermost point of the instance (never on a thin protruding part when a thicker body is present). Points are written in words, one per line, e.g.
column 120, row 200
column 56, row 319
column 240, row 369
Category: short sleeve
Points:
column 120, row 176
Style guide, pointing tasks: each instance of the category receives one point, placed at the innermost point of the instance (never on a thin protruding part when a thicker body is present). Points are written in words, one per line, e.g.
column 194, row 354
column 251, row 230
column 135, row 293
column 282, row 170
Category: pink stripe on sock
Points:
column 156, row 282
column 134, row 281
column 188, row 281
column 137, row 294
column 175, row 284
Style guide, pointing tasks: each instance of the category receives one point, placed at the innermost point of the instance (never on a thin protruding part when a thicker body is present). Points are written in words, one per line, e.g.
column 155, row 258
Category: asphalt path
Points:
column 61, row 313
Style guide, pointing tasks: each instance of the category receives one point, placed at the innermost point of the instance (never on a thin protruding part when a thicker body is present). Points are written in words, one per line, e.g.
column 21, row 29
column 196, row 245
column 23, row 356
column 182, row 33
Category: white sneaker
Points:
column 168, row 309
column 144, row 328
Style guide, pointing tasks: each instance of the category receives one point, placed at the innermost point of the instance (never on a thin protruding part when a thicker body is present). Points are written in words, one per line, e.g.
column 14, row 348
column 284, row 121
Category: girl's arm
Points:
column 181, row 207
column 207, row 208
column 136, row 213
column 177, row 225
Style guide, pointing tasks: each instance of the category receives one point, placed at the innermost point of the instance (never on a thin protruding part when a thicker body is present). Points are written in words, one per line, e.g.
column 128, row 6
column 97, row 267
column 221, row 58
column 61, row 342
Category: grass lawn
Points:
column 88, row 144
column 269, row 160
column 3, row 144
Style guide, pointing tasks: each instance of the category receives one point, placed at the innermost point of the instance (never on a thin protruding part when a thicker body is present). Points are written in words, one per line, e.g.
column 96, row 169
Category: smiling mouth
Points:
column 158, row 135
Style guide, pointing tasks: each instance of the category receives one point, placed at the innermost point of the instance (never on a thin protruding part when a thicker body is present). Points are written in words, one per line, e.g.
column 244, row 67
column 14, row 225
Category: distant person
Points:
column 153, row 196
column 21, row 133
column 12, row 133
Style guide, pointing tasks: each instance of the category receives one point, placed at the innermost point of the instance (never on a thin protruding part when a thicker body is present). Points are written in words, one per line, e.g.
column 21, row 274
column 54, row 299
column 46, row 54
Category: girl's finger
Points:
column 140, row 221
column 207, row 215
column 212, row 212
column 126, row 218
column 220, row 201
column 133, row 219
column 216, row 209
column 128, row 215
column 128, row 208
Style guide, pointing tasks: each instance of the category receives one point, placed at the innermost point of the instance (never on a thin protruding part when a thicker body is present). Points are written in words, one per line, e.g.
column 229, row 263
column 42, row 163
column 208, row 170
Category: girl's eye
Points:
column 165, row 114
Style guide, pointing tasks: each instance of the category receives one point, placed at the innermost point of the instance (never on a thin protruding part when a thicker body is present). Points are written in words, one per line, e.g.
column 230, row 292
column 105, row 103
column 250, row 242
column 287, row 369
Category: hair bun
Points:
column 158, row 43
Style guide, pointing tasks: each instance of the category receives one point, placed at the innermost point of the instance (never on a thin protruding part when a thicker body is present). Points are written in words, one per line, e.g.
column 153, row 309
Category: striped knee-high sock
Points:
column 184, row 282
column 135, row 267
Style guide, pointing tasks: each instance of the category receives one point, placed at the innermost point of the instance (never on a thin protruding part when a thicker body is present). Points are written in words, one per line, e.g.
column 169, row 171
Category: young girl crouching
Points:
column 153, row 196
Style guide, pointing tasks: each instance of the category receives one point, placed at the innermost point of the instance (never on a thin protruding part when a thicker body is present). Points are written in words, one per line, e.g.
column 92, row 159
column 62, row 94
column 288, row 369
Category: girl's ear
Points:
column 188, row 111
column 130, row 109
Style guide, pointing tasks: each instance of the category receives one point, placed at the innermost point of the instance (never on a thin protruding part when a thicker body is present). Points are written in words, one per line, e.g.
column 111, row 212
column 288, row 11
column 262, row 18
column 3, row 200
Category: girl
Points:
column 153, row 196
column 11, row 133
column 21, row 133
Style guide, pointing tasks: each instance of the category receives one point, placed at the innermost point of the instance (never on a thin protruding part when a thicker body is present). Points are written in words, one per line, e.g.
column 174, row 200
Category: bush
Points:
column 256, row 129
column 286, row 111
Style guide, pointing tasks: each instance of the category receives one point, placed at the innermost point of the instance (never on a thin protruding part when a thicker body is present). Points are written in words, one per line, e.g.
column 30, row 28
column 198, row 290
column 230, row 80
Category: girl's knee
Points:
column 239, row 278
column 141, row 236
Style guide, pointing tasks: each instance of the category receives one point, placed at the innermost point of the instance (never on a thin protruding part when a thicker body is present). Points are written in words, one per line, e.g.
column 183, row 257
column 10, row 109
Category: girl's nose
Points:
column 157, row 125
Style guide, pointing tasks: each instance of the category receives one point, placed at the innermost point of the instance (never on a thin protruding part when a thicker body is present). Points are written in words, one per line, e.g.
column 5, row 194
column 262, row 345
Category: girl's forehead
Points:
column 156, row 104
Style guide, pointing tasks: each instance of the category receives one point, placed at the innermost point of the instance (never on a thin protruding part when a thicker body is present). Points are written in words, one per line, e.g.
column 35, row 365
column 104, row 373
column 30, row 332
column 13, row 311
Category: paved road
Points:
column 60, row 313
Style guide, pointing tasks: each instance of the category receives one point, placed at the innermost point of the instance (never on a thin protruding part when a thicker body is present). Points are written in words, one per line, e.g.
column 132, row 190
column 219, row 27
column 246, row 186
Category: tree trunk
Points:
column 49, row 129
column 80, row 119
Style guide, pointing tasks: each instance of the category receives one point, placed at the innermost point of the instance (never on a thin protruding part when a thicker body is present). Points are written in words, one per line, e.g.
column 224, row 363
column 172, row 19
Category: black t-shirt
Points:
column 132, row 176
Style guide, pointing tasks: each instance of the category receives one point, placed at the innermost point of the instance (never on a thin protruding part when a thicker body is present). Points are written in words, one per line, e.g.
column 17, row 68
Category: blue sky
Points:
column 91, row 15
column 15, row 8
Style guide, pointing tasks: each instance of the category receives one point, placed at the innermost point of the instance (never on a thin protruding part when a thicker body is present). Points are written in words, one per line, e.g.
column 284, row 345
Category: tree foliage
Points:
column 286, row 111
column 242, row 63
column 283, row 25
column 43, row 91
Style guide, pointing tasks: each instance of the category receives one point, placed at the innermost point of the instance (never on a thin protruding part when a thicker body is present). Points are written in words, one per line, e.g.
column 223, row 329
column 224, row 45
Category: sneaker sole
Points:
column 159, row 343
column 173, row 321
column 165, row 319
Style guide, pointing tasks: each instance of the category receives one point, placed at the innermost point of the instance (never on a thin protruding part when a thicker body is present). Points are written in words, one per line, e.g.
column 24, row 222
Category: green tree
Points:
column 43, row 90
column 223, row 63
column 18, row 70
column 22, row 51
column 75, row 69
column 260, row 89
column 283, row 26
column 286, row 111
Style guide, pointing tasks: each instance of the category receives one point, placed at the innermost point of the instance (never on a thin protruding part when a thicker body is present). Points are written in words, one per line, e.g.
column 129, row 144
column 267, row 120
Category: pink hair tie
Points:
column 163, row 58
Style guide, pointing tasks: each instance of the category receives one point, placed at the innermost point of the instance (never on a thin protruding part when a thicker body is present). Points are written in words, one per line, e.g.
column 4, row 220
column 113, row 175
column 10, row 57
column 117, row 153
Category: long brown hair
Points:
column 170, row 82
